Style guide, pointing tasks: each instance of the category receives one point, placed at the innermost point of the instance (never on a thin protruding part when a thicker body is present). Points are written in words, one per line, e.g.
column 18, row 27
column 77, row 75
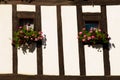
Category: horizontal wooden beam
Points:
column 41, row 77
column 64, row 2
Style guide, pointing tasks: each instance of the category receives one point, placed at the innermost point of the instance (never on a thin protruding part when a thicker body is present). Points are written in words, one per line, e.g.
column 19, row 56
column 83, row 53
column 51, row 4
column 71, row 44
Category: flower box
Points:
column 93, row 36
column 26, row 37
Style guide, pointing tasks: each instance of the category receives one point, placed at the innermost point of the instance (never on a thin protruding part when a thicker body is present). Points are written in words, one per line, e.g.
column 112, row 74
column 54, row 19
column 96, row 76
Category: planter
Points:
column 27, row 38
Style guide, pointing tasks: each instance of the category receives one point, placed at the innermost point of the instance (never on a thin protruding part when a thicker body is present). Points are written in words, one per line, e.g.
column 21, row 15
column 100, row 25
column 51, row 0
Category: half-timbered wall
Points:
column 63, row 55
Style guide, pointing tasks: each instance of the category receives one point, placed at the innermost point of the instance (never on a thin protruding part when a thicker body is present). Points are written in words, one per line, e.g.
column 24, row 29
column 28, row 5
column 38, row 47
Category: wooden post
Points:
column 39, row 49
column 15, row 59
column 105, row 51
column 81, row 46
column 60, row 41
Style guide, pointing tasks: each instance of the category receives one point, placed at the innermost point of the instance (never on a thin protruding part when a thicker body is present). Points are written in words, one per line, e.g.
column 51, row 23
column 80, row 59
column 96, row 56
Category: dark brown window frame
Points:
column 26, row 15
column 92, row 17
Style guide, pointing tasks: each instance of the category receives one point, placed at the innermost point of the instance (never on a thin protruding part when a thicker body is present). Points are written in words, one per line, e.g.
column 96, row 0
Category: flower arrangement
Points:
column 93, row 36
column 26, row 36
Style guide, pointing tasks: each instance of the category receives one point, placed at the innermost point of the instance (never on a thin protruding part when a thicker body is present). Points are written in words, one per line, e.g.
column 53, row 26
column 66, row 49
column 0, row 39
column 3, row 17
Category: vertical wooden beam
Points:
column 60, row 41
column 81, row 46
column 105, row 51
column 39, row 49
column 15, row 59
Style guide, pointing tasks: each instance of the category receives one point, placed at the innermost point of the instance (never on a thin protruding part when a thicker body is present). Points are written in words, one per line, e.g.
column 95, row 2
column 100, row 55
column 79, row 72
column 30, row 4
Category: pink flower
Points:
column 80, row 33
column 31, row 38
column 20, row 27
column 94, row 29
column 27, row 29
column 99, row 30
column 25, row 36
column 85, row 36
column 84, row 29
column 36, row 39
column 83, row 40
column 40, row 32
column 92, row 37
column 40, row 37
column 90, row 31
column 88, row 38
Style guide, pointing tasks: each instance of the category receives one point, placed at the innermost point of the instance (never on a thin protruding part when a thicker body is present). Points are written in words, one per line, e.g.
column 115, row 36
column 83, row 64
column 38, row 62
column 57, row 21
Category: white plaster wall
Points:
column 94, row 61
column 6, row 37
column 49, row 27
column 22, row 7
column 91, row 9
column 27, row 63
column 113, row 19
column 70, row 42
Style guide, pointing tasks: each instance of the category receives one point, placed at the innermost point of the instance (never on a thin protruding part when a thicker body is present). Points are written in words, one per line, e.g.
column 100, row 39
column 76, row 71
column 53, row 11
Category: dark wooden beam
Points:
column 64, row 2
column 25, row 15
column 105, row 50
column 39, row 49
column 15, row 59
column 41, row 77
column 81, row 46
column 60, row 41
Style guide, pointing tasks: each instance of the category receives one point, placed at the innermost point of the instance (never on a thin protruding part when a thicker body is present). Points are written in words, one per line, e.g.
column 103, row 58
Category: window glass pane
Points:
column 91, row 24
column 29, row 23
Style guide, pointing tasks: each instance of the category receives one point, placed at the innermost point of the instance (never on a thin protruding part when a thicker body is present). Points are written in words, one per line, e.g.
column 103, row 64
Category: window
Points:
column 26, row 19
column 26, row 22
column 91, row 24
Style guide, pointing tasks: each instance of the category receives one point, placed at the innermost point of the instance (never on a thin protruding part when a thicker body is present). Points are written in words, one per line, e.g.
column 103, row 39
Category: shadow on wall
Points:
column 31, row 47
column 105, row 46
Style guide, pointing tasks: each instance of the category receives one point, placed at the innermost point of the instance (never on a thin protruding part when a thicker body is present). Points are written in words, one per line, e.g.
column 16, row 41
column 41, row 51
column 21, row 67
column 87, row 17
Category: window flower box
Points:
column 27, row 38
column 93, row 37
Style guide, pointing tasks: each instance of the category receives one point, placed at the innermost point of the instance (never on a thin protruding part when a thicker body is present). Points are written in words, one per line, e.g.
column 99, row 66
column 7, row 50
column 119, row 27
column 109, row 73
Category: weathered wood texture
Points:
column 62, row 2
column 105, row 50
column 39, row 49
column 40, row 77
column 81, row 46
column 60, row 41
column 15, row 59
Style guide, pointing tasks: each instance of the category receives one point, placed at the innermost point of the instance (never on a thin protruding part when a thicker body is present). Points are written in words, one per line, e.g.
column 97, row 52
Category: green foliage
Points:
column 26, row 36
column 93, row 36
